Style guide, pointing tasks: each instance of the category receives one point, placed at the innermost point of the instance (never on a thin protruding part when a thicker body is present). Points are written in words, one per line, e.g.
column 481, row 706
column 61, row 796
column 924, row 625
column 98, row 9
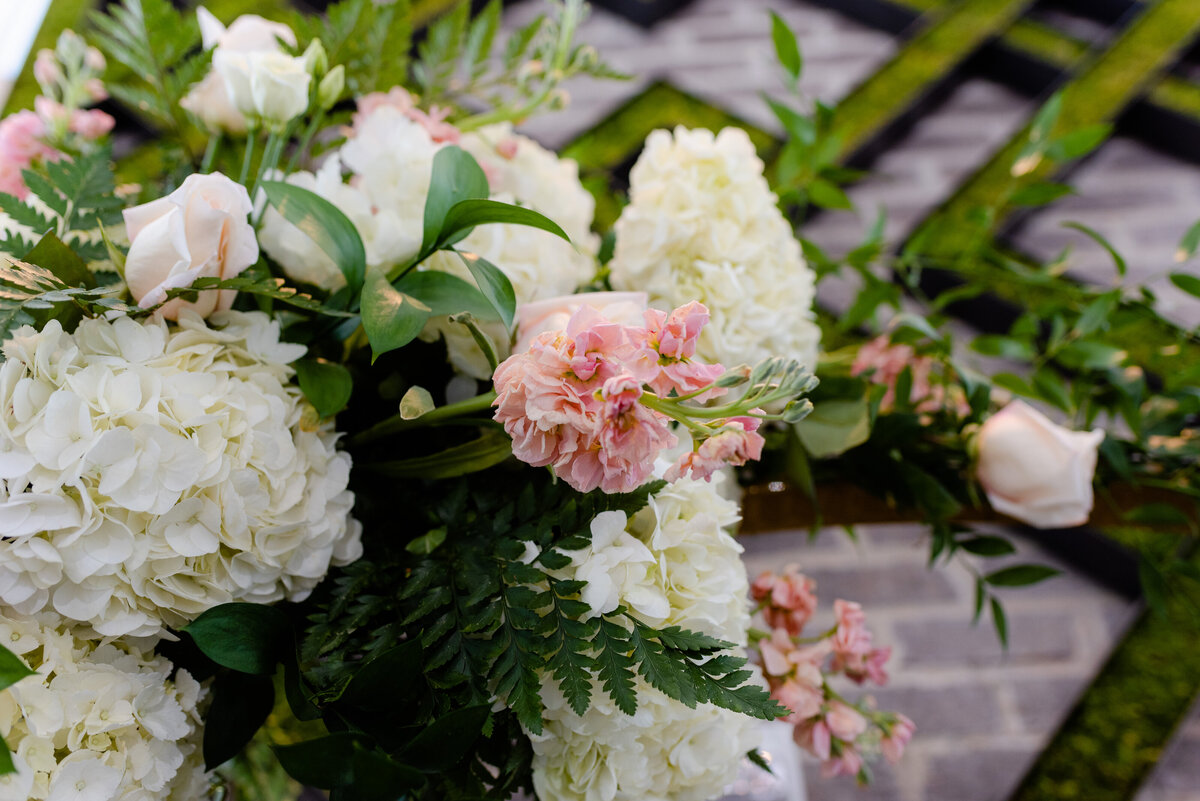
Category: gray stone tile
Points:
column 989, row 775
column 1033, row 639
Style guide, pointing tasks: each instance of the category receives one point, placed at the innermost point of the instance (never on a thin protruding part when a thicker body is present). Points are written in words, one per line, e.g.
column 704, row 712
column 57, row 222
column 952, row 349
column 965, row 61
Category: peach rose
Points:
column 1034, row 470
column 201, row 229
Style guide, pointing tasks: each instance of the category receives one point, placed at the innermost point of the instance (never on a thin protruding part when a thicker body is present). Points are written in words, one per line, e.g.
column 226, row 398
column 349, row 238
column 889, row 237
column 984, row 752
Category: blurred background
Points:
column 930, row 92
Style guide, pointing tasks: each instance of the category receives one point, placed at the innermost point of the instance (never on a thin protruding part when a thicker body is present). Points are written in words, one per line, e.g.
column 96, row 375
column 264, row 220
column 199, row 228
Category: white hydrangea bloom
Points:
column 539, row 264
column 674, row 563
column 663, row 751
column 101, row 721
column 702, row 224
column 151, row 471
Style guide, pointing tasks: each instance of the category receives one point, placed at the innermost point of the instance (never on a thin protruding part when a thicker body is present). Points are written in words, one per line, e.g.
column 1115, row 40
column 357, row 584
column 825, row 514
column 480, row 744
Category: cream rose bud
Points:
column 1034, row 470
column 552, row 314
column 199, row 230
column 268, row 85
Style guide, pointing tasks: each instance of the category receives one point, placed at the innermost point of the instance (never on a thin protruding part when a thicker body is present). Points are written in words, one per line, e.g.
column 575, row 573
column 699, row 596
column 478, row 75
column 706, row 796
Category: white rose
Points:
column 552, row 314
column 209, row 99
column 269, row 85
column 1034, row 470
column 201, row 229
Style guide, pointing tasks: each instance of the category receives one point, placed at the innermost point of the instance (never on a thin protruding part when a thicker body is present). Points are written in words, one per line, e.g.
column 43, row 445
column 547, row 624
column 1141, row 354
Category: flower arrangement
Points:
column 342, row 397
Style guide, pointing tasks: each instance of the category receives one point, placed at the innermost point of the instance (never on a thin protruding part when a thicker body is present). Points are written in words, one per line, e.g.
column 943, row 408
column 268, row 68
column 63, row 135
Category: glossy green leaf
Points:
column 1188, row 283
column 325, row 762
column 323, row 223
column 390, row 317
column 51, row 254
column 445, row 741
column 456, row 177
column 1040, row 194
column 466, row 214
column 444, row 293
column 1006, row 347
column 1077, row 144
column 1189, row 243
column 249, row 638
column 1000, row 622
column 240, row 705
column 494, row 285
column 327, row 385
column 835, row 426
column 428, row 542
column 1099, row 239
column 987, row 546
column 828, row 195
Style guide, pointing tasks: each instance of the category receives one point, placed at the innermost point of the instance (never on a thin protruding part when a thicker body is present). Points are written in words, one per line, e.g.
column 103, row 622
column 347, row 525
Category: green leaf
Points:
column 798, row 126
column 786, row 48
column 12, row 669
column 1189, row 243
column 828, row 195
column 491, row 448
column 447, row 740
column 444, row 293
column 1020, row 575
column 248, row 638
column 456, row 177
column 835, row 426
column 1000, row 622
column 1154, row 586
column 325, row 224
column 1188, row 283
column 1040, row 194
column 987, row 546
column 462, row 218
column 1078, row 143
column 1098, row 238
column 494, row 285
column 51, row 254
column 1006, row 347
column 325, row 762
column 1045, row 118
column 327, row 385
column 1157, row 514
column 1096, row 314
column 240, row 705
column 428, row 542
column 264, row 286
column 391, row 318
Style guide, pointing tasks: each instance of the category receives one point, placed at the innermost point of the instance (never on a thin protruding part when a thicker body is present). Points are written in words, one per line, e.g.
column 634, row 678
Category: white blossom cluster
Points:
column 149, row 472
column 100, row 721
column 702, row 224
column 674, row 563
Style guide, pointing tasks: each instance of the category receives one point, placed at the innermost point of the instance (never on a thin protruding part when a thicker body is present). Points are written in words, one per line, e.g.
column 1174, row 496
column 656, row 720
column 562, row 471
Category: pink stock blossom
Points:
column 666, row 347
column 91, row 124
column 790, row 598
column 813, row 736
column 847, row 763
column 894, row 743
column 399, row 98
column 736, row 443
column 21, row 144
column 566, row 403
column 802, row 697
column 887, row 362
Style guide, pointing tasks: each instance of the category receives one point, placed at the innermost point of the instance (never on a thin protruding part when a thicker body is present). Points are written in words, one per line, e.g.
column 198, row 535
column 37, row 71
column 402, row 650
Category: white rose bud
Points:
column 1034, row 470
column 199, row 230
column 331, row 86
column 315, row 59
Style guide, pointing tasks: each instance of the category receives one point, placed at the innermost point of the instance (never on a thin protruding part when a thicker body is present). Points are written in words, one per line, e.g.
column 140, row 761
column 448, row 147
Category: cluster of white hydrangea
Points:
column 149, row 472
column 674, row 563
column 100, row 721
column 702, row 224
column 663, row 751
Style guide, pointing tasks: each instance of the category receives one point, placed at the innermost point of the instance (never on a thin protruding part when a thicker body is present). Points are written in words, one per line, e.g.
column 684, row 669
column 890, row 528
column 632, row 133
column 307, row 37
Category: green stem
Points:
column 302, row 148
column 210, row 152
column 675, row 412
column 248, row 158
column 271, row 154
column 396, row 423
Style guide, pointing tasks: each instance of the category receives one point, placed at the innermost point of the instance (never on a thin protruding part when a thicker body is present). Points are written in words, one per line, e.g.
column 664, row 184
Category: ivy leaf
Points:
column 327, row 385
column 391, row 318
column 325, row 224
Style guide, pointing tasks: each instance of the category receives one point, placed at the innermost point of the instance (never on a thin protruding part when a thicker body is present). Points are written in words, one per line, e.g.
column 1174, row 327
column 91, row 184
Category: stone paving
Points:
column 1177, row 775
column 982, row 713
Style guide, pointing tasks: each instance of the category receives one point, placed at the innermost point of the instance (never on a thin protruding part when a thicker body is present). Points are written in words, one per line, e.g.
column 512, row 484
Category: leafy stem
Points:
column 396, row 423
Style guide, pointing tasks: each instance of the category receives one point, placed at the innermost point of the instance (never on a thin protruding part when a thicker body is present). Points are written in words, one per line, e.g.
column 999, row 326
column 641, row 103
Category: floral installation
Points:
column 332, row 424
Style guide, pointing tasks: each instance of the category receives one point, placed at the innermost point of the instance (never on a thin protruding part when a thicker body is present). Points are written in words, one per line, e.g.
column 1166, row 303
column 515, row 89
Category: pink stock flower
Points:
column 847, row 763
column 790, row 598
column 399, row 98
column 21, row 144
column 813, row 736
column 91, row 124
column 735, row 444
column 552, row 401
column 802, row 697
column 46, row 69
column 665, row 350
column 845, row 722
column 894, row 743
column 887, row 362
